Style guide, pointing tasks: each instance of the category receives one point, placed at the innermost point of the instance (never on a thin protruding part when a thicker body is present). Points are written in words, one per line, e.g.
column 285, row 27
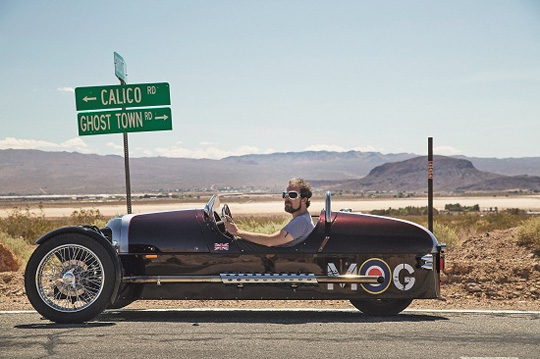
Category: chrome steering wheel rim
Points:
column 70, row 278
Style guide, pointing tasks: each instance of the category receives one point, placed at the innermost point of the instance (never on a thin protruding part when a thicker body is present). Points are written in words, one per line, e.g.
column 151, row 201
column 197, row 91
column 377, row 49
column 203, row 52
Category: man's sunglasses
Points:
column 291, row 194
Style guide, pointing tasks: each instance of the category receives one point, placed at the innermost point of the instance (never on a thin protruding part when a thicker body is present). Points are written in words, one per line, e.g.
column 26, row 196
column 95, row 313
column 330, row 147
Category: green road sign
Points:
column 122, row 96
column 144, row 119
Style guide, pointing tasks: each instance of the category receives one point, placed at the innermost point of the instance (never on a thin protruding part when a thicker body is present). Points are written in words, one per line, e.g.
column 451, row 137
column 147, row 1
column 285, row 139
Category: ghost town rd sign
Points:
column 120, row 121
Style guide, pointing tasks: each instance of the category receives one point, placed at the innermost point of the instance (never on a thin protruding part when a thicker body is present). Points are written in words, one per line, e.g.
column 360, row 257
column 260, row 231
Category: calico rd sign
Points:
column 122, row 96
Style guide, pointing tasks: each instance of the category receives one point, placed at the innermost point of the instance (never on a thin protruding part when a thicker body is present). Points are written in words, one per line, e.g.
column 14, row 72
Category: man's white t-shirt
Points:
column 299, row 227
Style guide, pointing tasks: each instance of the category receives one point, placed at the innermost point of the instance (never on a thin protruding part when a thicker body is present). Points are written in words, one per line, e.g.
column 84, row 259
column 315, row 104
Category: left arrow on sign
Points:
column 86, row 98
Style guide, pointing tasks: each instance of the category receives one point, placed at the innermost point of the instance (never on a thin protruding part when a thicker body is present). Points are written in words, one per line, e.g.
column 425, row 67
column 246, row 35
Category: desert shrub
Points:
column 445, row 234
column 515, row 211
column 21, row 228
column 500, row 220
column 529, row 233
column 459, row 208
column 407, row 211
column 88, row 216
column 21, row 223
column 20, row 248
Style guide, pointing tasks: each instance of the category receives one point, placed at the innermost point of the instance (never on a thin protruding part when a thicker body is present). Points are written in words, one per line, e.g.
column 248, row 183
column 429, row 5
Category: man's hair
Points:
column 305, row 188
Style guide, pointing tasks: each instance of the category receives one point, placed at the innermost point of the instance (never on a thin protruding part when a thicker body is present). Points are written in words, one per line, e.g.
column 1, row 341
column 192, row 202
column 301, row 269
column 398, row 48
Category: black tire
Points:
column 381, row 307
column 70, row 278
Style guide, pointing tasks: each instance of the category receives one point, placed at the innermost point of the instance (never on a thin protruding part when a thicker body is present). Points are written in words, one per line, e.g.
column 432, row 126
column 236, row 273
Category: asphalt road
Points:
column 274, row 334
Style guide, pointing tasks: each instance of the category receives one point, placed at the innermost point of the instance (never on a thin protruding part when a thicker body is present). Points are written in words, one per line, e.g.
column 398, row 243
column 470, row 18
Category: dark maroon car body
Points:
column 380, row 264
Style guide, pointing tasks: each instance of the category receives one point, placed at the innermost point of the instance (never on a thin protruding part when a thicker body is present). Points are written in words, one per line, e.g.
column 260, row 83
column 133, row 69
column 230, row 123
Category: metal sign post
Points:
column 430, row 184
column 121, row 73
column 128, row 180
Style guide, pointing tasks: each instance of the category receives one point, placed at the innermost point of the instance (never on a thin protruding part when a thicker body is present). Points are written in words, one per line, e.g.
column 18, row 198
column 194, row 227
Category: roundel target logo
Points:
column 379, row 268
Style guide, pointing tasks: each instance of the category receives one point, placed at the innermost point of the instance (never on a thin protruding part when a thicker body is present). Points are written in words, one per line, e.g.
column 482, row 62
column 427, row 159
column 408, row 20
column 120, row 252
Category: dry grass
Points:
column 23, row 224
column 529, row 234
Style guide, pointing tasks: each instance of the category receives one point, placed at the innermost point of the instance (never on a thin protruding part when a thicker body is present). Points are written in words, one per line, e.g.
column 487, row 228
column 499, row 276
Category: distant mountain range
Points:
column 25, row 172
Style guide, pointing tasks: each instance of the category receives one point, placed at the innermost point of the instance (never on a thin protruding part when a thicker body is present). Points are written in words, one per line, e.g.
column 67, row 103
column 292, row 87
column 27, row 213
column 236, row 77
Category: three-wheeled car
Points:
column 380, row 264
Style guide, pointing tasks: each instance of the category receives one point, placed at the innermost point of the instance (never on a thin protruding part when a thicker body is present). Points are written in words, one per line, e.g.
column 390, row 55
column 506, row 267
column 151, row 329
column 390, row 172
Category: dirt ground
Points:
column 489, row 271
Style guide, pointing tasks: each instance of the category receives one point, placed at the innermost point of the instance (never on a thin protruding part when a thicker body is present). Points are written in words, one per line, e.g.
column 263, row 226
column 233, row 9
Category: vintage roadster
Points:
column 379, row 264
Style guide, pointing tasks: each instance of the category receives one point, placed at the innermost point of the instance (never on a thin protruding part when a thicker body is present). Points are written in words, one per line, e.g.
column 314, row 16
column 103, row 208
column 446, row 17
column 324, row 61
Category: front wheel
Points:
column 70, row 278
column 381, row 307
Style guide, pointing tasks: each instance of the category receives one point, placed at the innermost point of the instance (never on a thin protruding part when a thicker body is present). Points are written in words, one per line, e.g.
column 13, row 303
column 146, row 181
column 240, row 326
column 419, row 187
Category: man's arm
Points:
column 269, row 240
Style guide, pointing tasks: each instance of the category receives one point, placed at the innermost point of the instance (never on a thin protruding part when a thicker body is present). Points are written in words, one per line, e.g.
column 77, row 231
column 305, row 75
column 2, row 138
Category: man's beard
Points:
column 290, row 209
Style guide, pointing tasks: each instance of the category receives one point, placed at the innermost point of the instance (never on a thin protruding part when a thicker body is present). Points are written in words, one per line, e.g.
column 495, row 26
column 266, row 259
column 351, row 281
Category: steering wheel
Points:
column 220, row 222
column 225, row 212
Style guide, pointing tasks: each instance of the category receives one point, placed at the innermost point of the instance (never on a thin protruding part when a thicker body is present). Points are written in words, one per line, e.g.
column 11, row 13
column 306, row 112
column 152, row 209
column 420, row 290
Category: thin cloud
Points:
column 208, row 152
column 333, row 148
column 66, row 89
column 115, row 146
column 336, row 148
column 74, row 144
column 447, row 151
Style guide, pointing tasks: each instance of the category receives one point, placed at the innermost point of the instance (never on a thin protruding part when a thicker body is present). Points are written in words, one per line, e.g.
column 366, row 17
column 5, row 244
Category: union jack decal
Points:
column 221, row 246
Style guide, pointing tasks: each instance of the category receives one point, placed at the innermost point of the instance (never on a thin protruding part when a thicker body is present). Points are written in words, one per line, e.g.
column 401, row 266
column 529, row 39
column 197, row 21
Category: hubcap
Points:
column 69, row 279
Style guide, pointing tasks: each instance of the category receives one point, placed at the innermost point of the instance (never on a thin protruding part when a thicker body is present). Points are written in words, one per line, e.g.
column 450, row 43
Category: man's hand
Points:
column 230, row 226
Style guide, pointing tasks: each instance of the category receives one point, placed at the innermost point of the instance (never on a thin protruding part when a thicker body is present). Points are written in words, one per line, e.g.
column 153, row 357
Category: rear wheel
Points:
column 70, row 278
column 381, row 307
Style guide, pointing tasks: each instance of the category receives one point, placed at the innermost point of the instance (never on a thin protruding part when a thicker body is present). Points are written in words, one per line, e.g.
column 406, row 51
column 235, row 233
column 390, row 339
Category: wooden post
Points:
column 430, row 184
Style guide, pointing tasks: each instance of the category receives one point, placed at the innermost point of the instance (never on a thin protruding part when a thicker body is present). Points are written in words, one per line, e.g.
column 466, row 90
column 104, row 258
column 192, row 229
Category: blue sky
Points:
column 277, row 76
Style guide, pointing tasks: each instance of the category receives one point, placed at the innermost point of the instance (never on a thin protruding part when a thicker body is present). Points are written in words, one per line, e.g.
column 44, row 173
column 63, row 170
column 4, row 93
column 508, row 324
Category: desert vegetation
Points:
column 529, row 234
column 21, row 228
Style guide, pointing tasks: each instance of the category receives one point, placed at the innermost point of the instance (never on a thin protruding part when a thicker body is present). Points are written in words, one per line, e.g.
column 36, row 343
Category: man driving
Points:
column 296, row 199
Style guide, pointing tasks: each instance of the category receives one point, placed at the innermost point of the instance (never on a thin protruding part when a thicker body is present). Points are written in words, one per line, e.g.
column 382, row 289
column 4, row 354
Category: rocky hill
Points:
column 449, row 175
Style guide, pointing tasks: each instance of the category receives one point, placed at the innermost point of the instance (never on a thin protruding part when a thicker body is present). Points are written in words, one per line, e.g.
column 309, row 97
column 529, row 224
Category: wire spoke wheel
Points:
column 70, row 278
